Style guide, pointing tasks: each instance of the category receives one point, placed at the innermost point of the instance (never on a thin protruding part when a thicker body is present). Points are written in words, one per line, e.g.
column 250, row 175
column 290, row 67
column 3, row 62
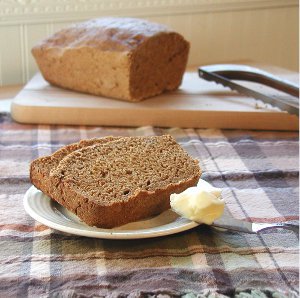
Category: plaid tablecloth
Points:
column 258, row 171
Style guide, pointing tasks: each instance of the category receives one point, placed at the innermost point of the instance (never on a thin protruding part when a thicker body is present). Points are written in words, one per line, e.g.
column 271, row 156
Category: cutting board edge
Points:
column 186, row 119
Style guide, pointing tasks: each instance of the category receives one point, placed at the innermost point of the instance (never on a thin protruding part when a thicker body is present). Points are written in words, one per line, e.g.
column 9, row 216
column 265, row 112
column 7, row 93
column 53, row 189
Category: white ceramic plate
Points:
column 46, row 211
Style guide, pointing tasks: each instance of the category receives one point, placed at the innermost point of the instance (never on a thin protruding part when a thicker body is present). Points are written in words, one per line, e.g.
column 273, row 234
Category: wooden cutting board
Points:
column 197, row 103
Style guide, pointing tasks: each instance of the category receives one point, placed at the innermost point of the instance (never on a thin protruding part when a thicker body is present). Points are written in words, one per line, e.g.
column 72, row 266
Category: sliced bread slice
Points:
column 124, row 180
column 40, row 168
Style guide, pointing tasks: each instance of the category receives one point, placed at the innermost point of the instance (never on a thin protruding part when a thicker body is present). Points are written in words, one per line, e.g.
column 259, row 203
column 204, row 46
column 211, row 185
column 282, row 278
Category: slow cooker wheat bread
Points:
column 120, row 181
column 124, row 58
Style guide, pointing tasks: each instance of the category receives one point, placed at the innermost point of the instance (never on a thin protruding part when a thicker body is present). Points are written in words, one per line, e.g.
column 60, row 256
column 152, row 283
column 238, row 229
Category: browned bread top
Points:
column 106, row 34
column 119, row 170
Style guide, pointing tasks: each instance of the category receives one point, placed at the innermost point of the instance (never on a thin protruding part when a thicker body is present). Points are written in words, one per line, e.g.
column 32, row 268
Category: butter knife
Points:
column 225, row 74
column 229, row 223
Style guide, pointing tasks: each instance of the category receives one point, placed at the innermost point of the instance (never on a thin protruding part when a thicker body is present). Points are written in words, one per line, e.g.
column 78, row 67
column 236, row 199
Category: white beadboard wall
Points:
column 264, row 31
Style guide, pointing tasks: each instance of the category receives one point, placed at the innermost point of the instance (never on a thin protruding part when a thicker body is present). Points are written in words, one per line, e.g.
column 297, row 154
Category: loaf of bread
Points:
column 123, row 58
column 113, row 181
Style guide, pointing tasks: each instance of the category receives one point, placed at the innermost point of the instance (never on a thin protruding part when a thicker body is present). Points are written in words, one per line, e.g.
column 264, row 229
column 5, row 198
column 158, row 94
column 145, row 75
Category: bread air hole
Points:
column 104, row 174
column 126, row 192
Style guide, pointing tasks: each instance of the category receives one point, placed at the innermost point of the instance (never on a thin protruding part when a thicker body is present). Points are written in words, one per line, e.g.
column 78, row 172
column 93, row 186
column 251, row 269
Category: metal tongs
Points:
column 226, row 73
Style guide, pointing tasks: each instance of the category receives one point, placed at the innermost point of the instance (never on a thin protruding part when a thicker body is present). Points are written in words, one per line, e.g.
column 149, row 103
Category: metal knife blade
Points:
column 230, row 223
column 225, row 73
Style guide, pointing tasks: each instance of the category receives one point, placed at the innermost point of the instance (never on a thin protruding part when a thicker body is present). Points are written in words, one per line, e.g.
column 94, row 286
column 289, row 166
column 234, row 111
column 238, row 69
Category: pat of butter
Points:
column 201, row 203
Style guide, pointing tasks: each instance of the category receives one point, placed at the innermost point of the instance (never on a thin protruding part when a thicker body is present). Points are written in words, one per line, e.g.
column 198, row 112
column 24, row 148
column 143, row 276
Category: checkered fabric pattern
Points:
column 258, row 172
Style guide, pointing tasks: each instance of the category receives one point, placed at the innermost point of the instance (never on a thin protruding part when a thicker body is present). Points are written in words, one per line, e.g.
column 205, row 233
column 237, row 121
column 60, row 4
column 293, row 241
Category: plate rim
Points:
column 98, row 233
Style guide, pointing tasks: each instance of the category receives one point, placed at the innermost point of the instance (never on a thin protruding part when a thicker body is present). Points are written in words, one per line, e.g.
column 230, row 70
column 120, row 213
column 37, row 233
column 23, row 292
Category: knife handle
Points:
column 248, row 73
column 259, row 227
